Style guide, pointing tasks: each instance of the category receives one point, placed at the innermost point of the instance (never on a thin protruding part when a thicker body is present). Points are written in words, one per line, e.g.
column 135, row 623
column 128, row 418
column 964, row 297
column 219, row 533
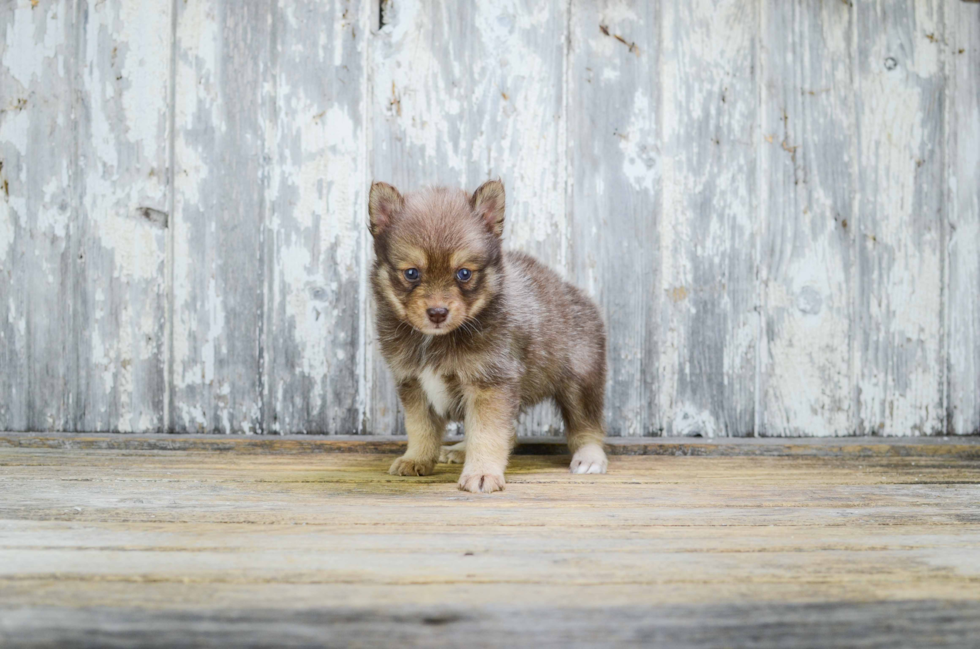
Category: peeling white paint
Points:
column 963, row 299
column 416, row 91
column 708, row 191
column 7, row 230
column 693, row 422
column 26, row 56
column 901, row 379
column 640, row 158
column 851, row 313
column 14, row 130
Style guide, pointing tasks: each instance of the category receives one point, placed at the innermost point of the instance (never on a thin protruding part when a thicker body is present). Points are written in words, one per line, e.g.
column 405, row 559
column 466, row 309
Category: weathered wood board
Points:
column 314, row 332
column 119, row 227
column 776, row 204
column 709, row 217
column 614, row 176
column 900, row 220
column 963, row 212
column 188, row 547
column 38, row 201
column 808, row 158
column 224, row 110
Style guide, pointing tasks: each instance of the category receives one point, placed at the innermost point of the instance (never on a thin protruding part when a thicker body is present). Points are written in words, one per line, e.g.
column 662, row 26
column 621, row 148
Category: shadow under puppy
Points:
column 474, row 334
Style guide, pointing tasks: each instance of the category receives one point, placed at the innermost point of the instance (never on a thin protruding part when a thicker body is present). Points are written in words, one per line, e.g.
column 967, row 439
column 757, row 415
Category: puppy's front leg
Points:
column 424, row 428
column 489, row 429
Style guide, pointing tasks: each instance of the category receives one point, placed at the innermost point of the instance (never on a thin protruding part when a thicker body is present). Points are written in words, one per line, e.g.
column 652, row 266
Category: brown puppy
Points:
column 474, row 334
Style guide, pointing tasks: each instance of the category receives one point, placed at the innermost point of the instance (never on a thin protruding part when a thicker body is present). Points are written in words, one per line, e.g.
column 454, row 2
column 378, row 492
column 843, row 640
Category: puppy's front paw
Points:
column 589, row 459
column 485, row 483
column 453, row 453
column 411, row 466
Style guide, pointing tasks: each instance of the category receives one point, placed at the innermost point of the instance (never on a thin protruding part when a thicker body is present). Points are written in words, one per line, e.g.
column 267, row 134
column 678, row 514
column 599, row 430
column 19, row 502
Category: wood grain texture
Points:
column 119, row 233
column 709, row 225
column 38, row 196
column 130, row 544
column 313, row 343
column 963, row 290
column 466, row 92
column 614, row 159
column 808, row 162
column 224, row 116
column 913, row 624
column 900, row 229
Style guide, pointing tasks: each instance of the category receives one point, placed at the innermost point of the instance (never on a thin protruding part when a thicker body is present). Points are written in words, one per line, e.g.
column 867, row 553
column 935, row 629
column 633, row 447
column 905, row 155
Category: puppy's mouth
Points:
column 431, row 329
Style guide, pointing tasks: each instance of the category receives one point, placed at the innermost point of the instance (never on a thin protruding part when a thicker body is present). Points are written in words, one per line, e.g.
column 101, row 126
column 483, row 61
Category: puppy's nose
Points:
column 437, row 314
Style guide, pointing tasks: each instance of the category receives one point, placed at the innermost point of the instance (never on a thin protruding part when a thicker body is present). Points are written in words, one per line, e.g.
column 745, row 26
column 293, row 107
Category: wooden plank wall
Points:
column 776, row 204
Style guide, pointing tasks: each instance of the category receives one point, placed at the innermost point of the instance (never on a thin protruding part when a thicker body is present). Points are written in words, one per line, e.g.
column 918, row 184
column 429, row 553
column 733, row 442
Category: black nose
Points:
column 437, row 314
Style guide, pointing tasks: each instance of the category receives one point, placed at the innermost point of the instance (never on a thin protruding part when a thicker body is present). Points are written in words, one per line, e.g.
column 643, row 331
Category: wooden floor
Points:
column 106, row 541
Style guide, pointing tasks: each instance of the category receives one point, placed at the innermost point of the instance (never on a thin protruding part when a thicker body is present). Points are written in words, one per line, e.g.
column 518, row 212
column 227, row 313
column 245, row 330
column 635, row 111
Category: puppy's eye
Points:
column 463, row 275
column 412, row 274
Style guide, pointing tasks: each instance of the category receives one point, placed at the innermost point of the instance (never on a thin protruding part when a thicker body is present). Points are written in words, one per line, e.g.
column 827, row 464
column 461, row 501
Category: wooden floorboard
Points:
column 865, row 543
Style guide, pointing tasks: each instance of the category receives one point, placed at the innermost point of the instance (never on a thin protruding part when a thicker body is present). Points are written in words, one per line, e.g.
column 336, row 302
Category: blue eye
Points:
column 463, row 275
column 412, row 274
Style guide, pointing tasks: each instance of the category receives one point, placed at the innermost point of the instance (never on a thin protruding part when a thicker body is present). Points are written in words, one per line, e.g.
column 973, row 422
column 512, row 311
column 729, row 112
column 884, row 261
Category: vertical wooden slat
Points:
column 37, row 174
column 710, row 323
column 463, row 92
column 119, row 245
column 809, row 149
column 318, row 217
column 963, row 301
column 224, row 95
column 614, row 161
column 901, row 213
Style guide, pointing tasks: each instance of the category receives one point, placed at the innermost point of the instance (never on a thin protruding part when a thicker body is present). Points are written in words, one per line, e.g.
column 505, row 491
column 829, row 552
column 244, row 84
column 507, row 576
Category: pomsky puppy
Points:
column 474, row 334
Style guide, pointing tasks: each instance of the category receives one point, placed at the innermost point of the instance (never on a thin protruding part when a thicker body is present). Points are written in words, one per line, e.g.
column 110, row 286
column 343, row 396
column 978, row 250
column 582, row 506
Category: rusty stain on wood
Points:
column 629, row 44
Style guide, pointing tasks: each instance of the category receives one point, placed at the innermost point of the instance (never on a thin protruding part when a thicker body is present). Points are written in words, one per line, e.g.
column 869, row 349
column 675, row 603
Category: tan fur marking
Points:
column 425, row 429
column 464, row 259
column 490, row 435
column 389, row 294
column 405, row 256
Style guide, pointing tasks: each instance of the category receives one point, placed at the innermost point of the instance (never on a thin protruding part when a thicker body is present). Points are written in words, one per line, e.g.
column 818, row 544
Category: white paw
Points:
column 589, row 459
column 453, row 453
column 485, row 483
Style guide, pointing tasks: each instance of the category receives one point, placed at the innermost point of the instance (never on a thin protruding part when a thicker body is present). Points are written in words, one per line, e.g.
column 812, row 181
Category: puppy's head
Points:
column 437, row 253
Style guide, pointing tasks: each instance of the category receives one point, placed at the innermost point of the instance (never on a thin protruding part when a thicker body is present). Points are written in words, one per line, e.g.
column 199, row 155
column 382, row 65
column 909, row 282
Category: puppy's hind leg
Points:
column 453, row 453
column 584, row 428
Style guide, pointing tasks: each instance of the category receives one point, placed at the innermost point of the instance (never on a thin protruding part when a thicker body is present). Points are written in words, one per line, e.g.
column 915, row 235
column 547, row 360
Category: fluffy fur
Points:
column 474, row 334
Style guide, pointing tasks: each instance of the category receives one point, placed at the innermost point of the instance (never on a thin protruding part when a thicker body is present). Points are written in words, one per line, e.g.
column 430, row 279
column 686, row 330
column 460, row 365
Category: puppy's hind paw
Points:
column 411, row 466
column 589, row 459
column 453, row 453
column 481, row 482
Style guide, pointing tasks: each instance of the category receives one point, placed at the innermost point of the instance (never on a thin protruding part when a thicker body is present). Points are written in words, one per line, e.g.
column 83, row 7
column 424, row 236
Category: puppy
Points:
column 475, row 334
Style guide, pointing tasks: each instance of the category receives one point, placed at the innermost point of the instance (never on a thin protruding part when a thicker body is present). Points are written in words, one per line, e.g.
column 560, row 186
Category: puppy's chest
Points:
column 443, row 392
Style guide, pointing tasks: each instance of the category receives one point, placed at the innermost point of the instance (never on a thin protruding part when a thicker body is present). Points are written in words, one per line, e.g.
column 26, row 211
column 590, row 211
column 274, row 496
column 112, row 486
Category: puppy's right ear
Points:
column 383, row 204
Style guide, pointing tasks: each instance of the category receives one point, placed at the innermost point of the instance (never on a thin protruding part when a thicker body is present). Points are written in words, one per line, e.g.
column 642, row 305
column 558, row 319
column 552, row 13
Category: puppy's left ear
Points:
column 383, row 204
column 488, row 204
